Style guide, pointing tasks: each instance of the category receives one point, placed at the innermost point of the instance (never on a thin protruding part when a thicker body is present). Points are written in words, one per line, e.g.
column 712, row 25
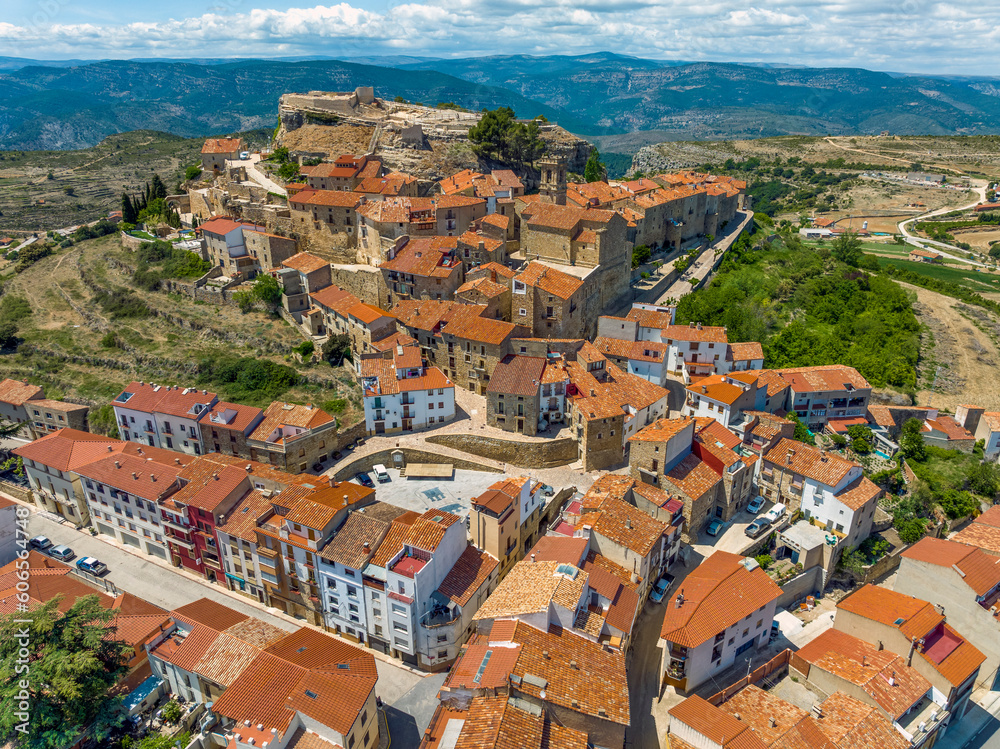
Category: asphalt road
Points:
column 410, row 695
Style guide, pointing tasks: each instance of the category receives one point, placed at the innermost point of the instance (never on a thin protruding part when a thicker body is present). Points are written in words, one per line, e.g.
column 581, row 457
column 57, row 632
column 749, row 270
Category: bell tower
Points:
column 552, row 186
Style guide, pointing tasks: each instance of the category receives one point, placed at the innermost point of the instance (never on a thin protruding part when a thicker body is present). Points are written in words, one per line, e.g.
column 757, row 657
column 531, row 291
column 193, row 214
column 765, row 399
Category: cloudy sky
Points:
column 902, row 35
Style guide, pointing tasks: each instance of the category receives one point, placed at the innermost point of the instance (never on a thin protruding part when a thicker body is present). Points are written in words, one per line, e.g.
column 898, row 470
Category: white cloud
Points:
column 906, row 35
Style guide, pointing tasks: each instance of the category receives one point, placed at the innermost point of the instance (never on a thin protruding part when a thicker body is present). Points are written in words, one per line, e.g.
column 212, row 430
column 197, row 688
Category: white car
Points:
column 775, row 513
column 755, row 505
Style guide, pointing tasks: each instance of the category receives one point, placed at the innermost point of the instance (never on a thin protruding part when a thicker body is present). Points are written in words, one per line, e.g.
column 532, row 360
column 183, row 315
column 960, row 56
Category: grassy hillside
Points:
column 85, row 330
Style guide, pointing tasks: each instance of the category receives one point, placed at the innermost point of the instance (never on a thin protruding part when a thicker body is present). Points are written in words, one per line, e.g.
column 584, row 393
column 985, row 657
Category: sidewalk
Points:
column 981, row 716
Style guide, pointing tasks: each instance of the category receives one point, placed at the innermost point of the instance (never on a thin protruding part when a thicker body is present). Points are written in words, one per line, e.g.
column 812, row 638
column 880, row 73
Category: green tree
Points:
column 912, row 530
column 911, row 442
column 157, row 189
column 75, row 663
column 336, row 349
column 847, row 249
column 801, row 430
column 158, row 741
column 267, row 289
column 129, row 214
column 192, row 172
column 489, row 136
column 279, row 155
column 8, row 335
column 244, row 299
column 640, row 255
column 984, row 479
column 594, row 171
column 305, row 349
column 524, row 144
column 288, row 171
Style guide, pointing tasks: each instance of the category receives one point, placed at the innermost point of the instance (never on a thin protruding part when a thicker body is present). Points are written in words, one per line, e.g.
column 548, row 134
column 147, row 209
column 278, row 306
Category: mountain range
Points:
column 72, row 104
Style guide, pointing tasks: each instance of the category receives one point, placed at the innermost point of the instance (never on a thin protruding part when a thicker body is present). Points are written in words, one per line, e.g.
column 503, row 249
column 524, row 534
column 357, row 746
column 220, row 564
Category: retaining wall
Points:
column 548, row 454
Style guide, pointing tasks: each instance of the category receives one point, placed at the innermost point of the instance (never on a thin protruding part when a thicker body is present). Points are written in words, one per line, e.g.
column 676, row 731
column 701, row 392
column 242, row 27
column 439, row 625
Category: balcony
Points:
column 440, row 618
column 270, row 554
column 180, row 542
column 174, row 524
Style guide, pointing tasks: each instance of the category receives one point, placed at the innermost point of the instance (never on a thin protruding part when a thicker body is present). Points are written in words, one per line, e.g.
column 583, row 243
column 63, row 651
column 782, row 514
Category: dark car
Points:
column 365, row 480
column 662, row 587
column 758, row 526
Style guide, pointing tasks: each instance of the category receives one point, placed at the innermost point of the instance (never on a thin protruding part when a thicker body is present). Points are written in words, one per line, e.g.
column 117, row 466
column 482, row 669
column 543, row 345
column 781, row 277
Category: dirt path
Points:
column 966, row 357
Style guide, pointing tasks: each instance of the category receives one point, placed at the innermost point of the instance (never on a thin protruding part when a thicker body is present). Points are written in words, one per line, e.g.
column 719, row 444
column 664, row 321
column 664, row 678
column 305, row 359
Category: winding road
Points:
column 979, row 186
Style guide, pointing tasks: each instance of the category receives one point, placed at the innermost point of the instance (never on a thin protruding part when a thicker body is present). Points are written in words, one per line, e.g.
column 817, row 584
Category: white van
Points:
column 776, row 512
column 381, row 475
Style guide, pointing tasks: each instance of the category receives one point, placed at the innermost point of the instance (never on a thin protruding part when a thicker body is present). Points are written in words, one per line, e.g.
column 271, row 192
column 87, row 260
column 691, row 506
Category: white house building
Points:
column 162, row 415
column 403, row 395
column 724, row 609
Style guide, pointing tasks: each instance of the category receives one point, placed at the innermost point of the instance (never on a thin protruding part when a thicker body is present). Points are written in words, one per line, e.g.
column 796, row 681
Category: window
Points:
column 745, row 632
column 442, row 654
column 350, row 743
column 378, row 629
column 352, row 591
column 760, row 623
column 398, row 608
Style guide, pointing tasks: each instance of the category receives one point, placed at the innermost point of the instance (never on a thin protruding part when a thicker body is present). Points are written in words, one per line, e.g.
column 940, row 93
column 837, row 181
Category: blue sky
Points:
column 921, row 36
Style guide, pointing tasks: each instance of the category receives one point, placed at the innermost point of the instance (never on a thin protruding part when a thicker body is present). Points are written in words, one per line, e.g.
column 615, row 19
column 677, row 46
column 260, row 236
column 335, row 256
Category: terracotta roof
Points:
column 212, row 614
column 597, row 682
column 16, row 392
column 484, row 286
column 550, row 280
column 858, row 493
column 222, row 145
column 719, row 388
column 205, row 484
column 560, row 549
column 431, row 257
column 662, row 430
column 700, row 333
column 356, row 541
column 692, row 476
column 629, row 527
column 241, row 520
column 220, row 225
column 233, row 416
column 517, row 375
column 330, row 198
column 826, row 468
column 852, row 724
column 335, row 299
column 496, row 723
column 882, row 674
column 984, row 536
column 468, row 325
column 139, row 476
column 469, row 573
column 67, row 449
column 528, row 588
column 825, row 378
column 474, row 671
column 428, row 315
column 705, row 718
column 565, row 218
column 951, row 429
column 650, row 318
column 305, row 262
column 718, row 593
column 747, row 351
column 53, row 405
column 280, row 414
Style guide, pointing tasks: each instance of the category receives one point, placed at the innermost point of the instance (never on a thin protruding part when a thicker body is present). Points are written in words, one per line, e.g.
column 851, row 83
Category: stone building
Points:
column 554, row 304
column 513, row 396
column 323, row 218
column 14, row 394
column 226, row 427
column 292, row 438
column 488, row 293
column 47, row 416
column 301, row 275
column 422, row 268
column 216, row 151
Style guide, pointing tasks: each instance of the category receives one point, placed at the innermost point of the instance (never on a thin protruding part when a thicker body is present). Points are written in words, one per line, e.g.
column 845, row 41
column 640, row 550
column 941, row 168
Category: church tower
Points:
column 553, row 180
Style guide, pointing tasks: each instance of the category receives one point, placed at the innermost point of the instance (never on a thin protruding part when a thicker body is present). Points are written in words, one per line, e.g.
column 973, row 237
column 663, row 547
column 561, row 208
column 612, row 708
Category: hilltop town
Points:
column 346, row 451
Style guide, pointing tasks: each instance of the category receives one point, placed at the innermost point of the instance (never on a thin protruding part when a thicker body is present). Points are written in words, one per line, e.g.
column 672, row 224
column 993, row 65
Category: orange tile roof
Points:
column 747, row 351
column 662, row 430
column 598, row 682
column 288, row 414
column 693, row 477
column 825, row 378
column 629, row 527
column 205, row 484
column 564, row 217
column 550, row 280
column 16, row 392
column 862, row 664
column 826, row 468
column 67, row 449
column 220, row 225
column 468, row 325
column 356, row 541
column 718, row 593
column 496, row 723
column 395, row 539
column 705, row 718
column 947, row 425
column 336, row 299
column 649, row 318
column 305, row 262
column 699, row 332
column 139, row 476
column 233, row 416
column 469, row 573
column 328, row 198
column 517, row 375
column 913, row 617
column 426, row 256
column 222, row 145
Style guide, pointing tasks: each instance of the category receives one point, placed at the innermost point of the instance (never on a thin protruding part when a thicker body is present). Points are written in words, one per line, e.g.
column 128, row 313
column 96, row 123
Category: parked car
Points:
column 547, row 491
column 775, row 512
column 662, row 587
column 244, row 155
column 714, row 528
column 758, row 526
column 755, row 505
column 364, row 479
column 40, row 542
column 775, row 631
column 92, row 565
column 380, row 473
column 62, row 553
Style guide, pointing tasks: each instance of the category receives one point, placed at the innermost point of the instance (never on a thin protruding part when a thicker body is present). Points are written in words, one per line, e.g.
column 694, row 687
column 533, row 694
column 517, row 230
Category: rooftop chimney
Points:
column 177, row 461
column 134, row 476
column 532, row 558
column 773, row 722
column 545, row 654
column 628, row 523
column 117, row 464
column 573, row 664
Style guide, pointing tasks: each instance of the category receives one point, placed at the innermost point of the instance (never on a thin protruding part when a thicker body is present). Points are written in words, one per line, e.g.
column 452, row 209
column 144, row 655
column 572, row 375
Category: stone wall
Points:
column 809, row 583
column 367, row 285
column 548, row 454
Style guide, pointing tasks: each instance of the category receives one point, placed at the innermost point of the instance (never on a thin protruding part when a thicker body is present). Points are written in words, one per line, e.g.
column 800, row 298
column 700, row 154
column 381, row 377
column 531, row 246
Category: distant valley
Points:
column 619, row 102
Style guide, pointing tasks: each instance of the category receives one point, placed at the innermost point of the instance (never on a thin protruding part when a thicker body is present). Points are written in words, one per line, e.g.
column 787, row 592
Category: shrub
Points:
column 110, row 340
column 764, row 560
column 305, row 349
column 644, row 275
column 912, row 530
column 172, row 712
column 246, row 379
column 336, row 349
column 335, row 406
column 192, row 172
column 8, row 335
column 121, row 304
column 640, row 255
column 838, row 440
column 244, row 299
column 102, row 421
